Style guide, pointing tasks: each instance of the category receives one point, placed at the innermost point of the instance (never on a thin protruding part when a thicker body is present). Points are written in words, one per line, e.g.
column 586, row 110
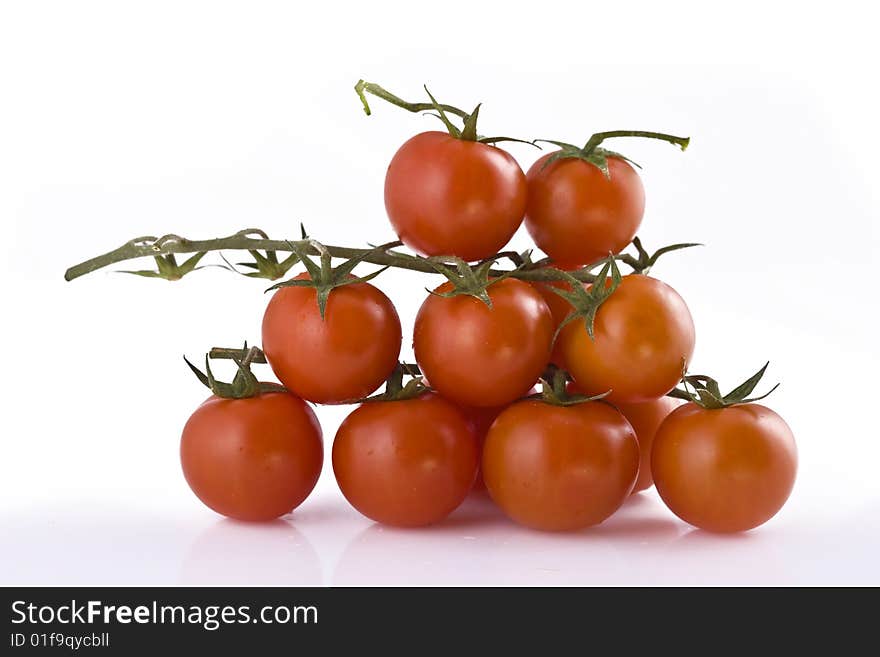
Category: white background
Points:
column 126, row 119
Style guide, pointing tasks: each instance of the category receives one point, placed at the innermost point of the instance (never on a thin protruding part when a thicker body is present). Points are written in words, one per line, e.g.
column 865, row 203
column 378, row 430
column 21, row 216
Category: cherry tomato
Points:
column 645, row 418
column 724, row 470
column 559, row 308
column 480, row 356
column 448, row 196
column 644, row 339
column 342, row 357
column 256, row 458
column 560, row 468
column 480, row 420
column 406, row 463
column 577, row 215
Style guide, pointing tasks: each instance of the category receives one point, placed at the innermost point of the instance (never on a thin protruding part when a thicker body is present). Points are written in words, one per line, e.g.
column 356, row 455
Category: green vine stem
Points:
column 362, row 87
column 599, row 137
column 143, row 247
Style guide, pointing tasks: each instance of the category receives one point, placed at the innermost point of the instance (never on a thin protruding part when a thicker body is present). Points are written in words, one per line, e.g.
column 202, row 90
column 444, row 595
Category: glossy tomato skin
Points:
column 406, row 463
column 645, row 418
column 724, row 470
column 560, row 468
column 576, row 215
column 448, row 196
column 479, row 356
column 343, row 357
column 252, row 459
column 644, row 339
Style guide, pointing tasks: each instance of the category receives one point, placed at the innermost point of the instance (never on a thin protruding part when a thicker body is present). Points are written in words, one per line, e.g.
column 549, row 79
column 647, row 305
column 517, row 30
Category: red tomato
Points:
column 342, row 357
column 559, row 308
column 448, row 196
column 480, row 356
column 252, row 459
column 644, row 339
column 576, row 215
column 560, row 468
column 405, row 463
column 645, row 418
column 480, row 420
column 724, row 470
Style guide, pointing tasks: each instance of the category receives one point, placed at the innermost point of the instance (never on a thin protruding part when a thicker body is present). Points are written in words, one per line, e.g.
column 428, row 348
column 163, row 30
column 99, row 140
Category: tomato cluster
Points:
column 607, row 351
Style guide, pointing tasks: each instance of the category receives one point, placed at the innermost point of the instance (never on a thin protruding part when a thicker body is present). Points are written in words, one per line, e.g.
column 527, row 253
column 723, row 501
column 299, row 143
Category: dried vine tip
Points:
column 466, row 279
column 593, row 154
column 324, row 277
column 586, row 302
column 705, row 391
column 244, row 384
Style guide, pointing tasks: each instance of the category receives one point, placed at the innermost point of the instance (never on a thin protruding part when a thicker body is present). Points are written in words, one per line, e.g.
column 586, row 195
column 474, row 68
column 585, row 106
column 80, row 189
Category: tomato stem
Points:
column 362, row 87
column 599, row 137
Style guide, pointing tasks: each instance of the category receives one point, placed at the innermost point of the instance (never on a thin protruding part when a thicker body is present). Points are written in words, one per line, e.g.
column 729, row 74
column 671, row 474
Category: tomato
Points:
column 480, row 419
column 724, row 470
column 406, row 463
column 480, row 356
column 449, row 196
column 645, row 418
column 560, row 468
column 644, row 339
column 577, row 215
column 256, row 458
column 559, row 308
column 342, row 357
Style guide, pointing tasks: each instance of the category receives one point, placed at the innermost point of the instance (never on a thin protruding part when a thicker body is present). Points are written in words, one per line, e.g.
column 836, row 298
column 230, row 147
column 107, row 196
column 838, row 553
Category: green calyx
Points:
column 468, row 129
column 396, row 389
column 324, row 277
column 467, row 280
column 554, row 389
column 705, row 391
column 593, row 154
column 168, row 268
column 586, row 303
column 642, row 263
column 265, row 265
column 244, row 384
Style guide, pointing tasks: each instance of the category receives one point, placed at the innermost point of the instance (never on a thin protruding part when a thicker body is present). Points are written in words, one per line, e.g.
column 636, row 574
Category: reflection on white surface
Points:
column 237, row 553
column 326, row 542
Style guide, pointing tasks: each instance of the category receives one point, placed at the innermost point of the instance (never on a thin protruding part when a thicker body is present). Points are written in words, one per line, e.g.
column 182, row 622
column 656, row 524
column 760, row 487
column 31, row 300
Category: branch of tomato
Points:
column 162, row 248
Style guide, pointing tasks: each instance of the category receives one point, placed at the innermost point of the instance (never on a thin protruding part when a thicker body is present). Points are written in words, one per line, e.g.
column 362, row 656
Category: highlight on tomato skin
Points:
column 407, row 463
column 726, row 469
column 560, row 468
column 252, row 459
column 475, row 355
column 345, row 355
column 644, row 338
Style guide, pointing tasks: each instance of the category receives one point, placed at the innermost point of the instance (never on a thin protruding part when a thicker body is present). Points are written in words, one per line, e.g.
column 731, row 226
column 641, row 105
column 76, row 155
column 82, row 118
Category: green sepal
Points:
column 705, row 391
column 554, row 389
column 396, row 389
column 168, row 268
column 586, row 303
column 644, row 261
column 324, row 277
column 466, row 279
column 244, row 384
